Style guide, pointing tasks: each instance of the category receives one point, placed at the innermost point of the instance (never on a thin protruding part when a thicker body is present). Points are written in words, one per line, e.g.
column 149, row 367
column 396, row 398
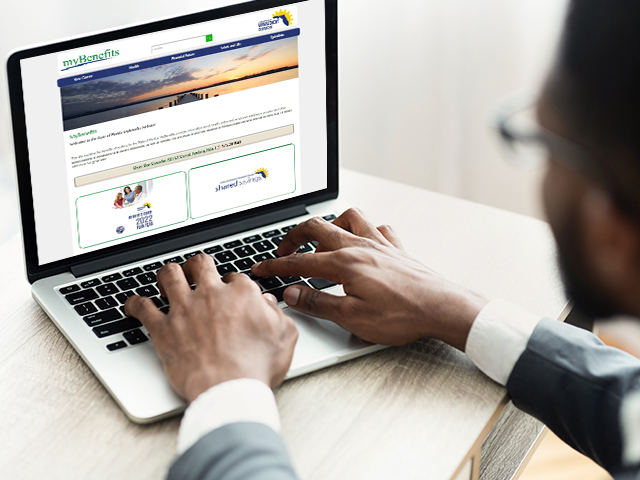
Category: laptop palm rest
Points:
column 322, row 343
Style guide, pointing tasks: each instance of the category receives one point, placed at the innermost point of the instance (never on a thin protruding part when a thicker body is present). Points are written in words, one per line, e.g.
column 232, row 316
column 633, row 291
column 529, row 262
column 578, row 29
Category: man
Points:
column 224, row 344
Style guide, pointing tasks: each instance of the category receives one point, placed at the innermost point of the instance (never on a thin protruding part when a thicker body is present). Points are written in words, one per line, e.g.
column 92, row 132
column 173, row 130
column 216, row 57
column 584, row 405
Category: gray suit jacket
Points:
column 571, row 381
column 566, row 377
column 240, row 451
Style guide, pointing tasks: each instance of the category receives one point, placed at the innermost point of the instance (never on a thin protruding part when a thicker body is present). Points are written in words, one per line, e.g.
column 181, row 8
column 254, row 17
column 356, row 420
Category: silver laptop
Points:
column 213, row 132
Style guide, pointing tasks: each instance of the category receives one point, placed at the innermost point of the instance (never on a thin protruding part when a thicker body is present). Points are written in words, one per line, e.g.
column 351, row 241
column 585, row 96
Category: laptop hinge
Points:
column 208, row 235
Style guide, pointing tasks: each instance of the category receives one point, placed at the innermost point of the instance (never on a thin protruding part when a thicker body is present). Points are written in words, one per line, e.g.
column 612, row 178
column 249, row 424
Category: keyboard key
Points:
column 263, row 246
column 147, row 291
column 116, row 346
column 224, row 257
column 146, row 278
column 122, row 297
column 305, row 249
column 271, row 233
column 261, row 257
column 165, row 309
column 69, row 289
column 102, row 317
column 107, row 289
column 192, row 254
column 226, row 268
column 279, row 292
column 111, row 278
column 177, row 259
column 212, row 250
column 235, row 243
column 252, row 238
column 277, row 240
column 244, row 264
column 81, row 296
column 329, row 218
column 90, row 283
column 120, row 326
column 127, row 283
column 320, row 283
column 135, row 336
column 269, row 283
column 252, row 276
column 288, row 280
column 157, row 302
column 244, row 251
column 132, row 271
column 152, row 266
column 290, row 227
column 106, row 302
column 85, row 308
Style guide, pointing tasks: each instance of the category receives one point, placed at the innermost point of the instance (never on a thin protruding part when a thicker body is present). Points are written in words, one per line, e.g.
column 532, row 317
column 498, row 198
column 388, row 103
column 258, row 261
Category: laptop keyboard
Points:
column 100, row 301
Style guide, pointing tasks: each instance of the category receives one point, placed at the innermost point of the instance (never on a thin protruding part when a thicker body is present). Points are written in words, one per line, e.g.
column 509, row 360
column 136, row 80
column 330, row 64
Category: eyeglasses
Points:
column 530, row 145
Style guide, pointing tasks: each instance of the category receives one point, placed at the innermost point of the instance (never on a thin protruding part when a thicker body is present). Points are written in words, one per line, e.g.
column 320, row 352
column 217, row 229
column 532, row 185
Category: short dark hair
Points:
column 595, row 85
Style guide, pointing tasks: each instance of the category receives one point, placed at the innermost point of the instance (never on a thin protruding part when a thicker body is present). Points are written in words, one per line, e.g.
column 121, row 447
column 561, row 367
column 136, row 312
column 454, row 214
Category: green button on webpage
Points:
column 209, row 38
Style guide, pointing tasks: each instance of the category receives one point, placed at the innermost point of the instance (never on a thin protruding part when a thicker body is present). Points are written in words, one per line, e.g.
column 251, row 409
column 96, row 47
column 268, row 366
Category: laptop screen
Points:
column 153, row 132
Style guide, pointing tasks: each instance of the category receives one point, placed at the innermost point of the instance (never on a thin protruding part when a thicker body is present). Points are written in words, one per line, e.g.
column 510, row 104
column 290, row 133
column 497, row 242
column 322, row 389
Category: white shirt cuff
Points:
column 498, row 337
column 243, row 400
column 629, row 424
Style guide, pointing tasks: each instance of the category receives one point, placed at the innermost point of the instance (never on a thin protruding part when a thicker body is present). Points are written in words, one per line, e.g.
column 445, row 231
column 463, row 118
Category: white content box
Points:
column 242, row 181
column 107, row 216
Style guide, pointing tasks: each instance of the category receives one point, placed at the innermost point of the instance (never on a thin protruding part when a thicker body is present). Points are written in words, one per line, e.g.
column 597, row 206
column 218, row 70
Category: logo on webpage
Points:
column 86, row 59
column 145, row 206
column 283, row 16
column 259, row 175
column 262, row 171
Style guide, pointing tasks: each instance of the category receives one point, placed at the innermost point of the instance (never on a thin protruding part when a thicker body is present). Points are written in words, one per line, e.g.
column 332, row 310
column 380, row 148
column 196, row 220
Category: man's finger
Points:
column 271, row 298
column 173, row 284
column 240, row 278
column 144, row 310
column 323, row 265
column 318, row 229
column 354, row 221
column 201, row 270
column 390, row 234
column 234, row 277
column 320, row 304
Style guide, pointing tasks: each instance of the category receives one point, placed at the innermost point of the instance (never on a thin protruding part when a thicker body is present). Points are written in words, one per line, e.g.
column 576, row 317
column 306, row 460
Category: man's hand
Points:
column 390, row 299
column 223, row 330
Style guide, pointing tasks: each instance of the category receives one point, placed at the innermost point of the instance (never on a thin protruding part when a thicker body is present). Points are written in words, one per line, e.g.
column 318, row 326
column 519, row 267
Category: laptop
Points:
column 212, row 132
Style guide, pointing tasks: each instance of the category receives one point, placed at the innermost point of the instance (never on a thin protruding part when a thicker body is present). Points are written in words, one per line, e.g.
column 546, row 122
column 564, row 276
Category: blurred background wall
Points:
column 418, row 82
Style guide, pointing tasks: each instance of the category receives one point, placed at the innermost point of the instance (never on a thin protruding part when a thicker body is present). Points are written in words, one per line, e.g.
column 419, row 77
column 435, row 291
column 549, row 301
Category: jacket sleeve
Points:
column 239, row 451
column 575, row 384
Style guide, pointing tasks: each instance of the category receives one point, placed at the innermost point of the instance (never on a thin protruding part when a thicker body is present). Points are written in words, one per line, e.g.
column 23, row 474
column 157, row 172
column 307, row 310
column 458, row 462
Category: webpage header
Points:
column 179, row 39
column 177, row 57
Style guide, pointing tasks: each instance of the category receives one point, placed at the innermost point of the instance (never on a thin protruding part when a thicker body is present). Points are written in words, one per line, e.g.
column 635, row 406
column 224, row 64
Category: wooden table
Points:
column 419, row 411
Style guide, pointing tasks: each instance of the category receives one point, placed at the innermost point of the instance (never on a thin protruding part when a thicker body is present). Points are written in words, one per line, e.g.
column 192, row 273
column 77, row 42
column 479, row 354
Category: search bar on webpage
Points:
column 182, row 44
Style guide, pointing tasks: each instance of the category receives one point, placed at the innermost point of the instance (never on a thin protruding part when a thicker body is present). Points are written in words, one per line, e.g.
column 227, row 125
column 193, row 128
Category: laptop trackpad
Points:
column 320, row 342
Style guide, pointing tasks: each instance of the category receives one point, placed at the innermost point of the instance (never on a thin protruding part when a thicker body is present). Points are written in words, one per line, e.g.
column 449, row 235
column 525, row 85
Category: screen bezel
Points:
column 33, row 269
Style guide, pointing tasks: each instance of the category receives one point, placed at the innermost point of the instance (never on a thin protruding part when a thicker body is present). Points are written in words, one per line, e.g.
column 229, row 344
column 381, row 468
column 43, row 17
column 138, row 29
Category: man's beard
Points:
column 580, row 283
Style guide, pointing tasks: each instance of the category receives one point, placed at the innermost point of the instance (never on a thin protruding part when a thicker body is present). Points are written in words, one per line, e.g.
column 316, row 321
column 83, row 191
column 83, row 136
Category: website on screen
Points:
column 163, row 130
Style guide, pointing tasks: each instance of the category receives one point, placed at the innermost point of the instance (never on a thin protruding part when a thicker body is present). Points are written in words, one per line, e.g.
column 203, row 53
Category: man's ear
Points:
column 611, row 240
